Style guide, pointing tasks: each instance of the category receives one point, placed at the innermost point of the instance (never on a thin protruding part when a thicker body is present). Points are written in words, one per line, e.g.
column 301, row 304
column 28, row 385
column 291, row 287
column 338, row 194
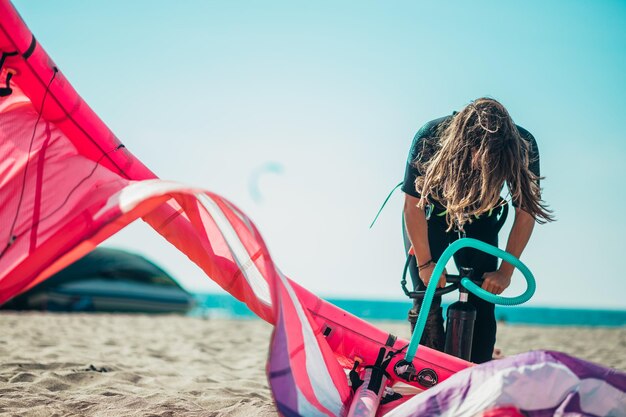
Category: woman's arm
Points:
column 417, row 230
column 496, row 282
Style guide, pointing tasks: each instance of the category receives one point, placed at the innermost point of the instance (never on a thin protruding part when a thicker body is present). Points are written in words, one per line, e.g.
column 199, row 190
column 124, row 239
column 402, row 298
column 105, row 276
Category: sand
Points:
column 135, row 365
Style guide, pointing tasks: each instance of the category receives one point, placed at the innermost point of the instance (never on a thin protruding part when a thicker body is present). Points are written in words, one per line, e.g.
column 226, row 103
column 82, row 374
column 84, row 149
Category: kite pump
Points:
column 369, row 389
column 461, row 315
column 460, row 323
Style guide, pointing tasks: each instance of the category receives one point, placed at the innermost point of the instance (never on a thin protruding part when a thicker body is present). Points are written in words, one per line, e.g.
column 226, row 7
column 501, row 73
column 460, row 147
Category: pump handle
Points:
column 453, row 279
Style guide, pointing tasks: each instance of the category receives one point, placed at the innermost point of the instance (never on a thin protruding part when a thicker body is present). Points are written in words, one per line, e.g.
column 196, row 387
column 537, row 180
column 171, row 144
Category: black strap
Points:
column 31, row 48
column 6, row 91
column 5, row 55
column 391, row 340
column 355, row 381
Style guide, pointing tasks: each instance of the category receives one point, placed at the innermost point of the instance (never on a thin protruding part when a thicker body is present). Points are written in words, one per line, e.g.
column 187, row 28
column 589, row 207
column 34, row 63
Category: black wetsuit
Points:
column 485, row 228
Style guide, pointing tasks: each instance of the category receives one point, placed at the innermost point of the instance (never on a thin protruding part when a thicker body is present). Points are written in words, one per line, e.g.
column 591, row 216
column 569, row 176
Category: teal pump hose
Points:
column 473, row 288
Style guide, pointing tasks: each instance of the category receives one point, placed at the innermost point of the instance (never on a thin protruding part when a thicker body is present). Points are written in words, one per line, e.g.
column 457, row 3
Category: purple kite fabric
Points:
column 538, row 383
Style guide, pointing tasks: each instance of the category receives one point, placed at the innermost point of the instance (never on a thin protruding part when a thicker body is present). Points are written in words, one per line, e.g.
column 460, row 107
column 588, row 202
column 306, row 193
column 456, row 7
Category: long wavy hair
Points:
column 474, row 155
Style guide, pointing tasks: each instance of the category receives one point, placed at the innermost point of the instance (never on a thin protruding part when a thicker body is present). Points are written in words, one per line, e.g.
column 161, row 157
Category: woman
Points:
column 456, row 170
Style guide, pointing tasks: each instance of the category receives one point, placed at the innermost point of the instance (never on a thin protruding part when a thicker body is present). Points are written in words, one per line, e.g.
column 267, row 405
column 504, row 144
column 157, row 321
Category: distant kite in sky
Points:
column 254, row 182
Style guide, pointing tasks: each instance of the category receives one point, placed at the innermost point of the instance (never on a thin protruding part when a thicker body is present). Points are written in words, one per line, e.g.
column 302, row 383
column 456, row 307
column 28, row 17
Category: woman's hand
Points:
column 496, row 282
column 427, row 271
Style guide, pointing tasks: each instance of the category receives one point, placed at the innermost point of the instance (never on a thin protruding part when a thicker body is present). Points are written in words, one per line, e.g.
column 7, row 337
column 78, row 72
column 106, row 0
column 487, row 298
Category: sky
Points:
column 302, row 113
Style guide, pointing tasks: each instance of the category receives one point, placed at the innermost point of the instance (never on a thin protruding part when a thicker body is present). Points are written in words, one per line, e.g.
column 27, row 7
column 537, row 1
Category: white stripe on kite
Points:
column 250, row 272
column 305, row 408
column 241, row 216
column 321, row 381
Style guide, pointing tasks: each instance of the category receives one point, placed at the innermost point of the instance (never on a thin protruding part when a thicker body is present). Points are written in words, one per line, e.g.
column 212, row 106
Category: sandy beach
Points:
column 136, row 365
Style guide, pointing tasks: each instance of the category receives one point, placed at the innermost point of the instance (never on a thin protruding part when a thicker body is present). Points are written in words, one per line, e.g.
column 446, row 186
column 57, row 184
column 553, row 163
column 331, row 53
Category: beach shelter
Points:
column 107, row 280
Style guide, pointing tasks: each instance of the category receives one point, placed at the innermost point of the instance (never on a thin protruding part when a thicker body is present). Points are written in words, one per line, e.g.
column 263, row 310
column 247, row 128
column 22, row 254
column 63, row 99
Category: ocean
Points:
column 226, row 306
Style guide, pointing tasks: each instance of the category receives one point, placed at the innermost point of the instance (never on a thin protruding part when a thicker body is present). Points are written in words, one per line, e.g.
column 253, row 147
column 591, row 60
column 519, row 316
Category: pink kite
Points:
column 67, row 183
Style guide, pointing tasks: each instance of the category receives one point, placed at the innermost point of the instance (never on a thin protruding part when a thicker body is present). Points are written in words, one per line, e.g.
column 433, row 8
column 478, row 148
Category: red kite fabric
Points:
column 67, row 183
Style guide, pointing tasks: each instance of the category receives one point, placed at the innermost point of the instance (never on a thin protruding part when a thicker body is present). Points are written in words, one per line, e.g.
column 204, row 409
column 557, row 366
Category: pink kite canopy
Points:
column 67, row 183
